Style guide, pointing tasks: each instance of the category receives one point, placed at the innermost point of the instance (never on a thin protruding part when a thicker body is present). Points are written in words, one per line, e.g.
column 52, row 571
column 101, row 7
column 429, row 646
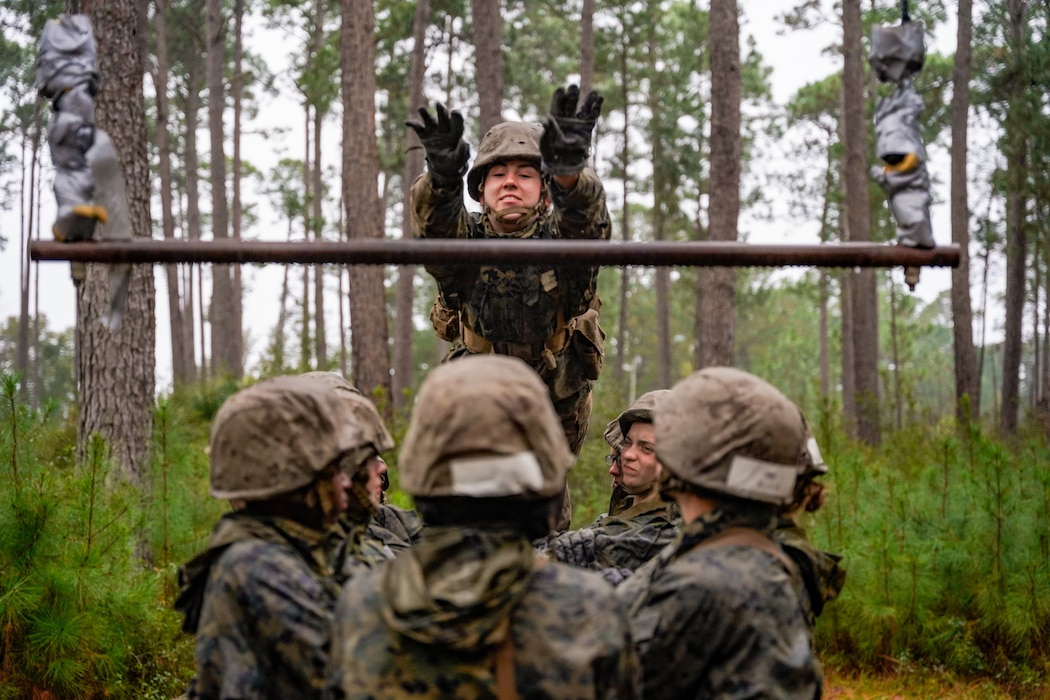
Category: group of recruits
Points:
column 697, row 583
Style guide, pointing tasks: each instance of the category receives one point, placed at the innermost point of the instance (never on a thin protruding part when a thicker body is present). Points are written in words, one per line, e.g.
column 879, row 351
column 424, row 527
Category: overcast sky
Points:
column 795, row 59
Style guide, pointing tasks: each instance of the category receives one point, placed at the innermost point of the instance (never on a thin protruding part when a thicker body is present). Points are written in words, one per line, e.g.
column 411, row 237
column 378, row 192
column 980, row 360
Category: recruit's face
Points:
column 334, row 499
column 638, row 458
column 615, row 468
column 514, row 184
column 376, row 468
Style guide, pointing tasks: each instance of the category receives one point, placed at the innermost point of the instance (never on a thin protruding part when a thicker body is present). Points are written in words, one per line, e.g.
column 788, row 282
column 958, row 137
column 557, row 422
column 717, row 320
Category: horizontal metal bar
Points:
column 523, row 252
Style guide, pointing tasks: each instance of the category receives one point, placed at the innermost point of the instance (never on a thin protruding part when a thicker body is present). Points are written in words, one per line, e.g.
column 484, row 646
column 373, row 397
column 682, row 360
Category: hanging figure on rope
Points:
column 898, row 53
column 532, row 181
column 89, row 184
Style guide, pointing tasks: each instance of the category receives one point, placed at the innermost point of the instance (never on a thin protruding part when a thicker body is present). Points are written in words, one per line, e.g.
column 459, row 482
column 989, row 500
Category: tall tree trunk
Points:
column 1044, row 376
column 368, row 319
column 116, row 369
column 224, row 360
column 317, row 219
column 180, row 371
column 25, row 270
column 236, row 339
column 898, row 398
column 488, row 60
column 823, row 281
column 662, row 189
column 315, row 213
column 587, row 47
column 718, row 284
column 858, row 213
column 279, row 336
column 38, row 387
column 342, row 269
column 1035, row 387
column 625, row 217
column 967, row 379
column 194, row 292
column 304, row 326
column 1016, row 242
column 305, row 349
column 406, row 274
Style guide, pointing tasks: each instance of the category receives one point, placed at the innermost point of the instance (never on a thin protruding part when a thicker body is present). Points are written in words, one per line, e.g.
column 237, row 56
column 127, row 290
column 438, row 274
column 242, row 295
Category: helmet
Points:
column 641, row 411
column 812, row 464
column 364, row 411
column 276, row 436
column 503, row 142
column 612, row 434
column 484, row 426
column 727, row 431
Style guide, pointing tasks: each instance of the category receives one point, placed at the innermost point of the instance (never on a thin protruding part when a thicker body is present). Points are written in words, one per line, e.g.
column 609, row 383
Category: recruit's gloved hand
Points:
column 566, row 140
column 442, row 138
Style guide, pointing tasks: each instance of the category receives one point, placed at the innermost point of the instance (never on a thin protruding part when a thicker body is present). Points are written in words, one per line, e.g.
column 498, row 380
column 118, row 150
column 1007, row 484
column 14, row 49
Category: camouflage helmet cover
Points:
column 363, row 410
column 484, row 426
column 641, row 411
column 612, row 434
column 504, row 142
column 276, row 436
column 727, row 431
column 812, row 464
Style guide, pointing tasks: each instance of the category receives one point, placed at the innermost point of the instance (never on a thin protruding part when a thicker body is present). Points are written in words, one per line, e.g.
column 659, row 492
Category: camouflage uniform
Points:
column 719, row 622
column 546, row 315
column 468, row 611
column 623, row 542
column 559, row 310
column 717, row 614
column 620, row 542
column 820, row 577
column 395, row 527
column 352, row 546
column 356, row 541
column 565, row 642
column 261, row 599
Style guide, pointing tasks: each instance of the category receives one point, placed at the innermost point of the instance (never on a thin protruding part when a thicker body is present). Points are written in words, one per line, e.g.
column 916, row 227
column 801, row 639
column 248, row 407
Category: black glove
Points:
column 442, row 138
column 566, row 140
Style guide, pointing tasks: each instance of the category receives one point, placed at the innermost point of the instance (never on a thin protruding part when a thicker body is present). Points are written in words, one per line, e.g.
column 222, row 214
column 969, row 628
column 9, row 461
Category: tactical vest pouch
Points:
column 516, row 305
column 588, row 343
column 445, row 321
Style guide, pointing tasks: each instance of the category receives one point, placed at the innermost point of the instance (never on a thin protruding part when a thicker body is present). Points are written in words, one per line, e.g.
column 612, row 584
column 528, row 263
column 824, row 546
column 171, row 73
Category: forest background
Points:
column 940, row 490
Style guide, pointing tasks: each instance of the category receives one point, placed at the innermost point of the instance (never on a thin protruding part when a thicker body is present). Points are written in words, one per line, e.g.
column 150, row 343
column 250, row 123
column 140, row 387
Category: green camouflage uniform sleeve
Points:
column 264, row 630
column 614, row 542
column 439, row 213
column 581, row 211
column 720, row 623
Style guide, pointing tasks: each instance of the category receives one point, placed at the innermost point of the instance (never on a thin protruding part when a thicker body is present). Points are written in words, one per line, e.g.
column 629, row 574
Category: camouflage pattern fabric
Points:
column 625, row 541
column 619, row 500
column 395, row 527
column 577, row 214
column 265, row 598
column 567, row 633
column 821, row 578
column 353, row 546
column 720, row 622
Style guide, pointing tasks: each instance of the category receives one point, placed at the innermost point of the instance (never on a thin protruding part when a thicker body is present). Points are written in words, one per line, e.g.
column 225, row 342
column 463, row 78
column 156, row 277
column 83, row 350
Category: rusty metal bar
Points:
column 473, row 252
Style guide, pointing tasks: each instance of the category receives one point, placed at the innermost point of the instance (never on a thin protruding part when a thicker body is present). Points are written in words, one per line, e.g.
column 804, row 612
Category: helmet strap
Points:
column 642, row 494
column 527, row 216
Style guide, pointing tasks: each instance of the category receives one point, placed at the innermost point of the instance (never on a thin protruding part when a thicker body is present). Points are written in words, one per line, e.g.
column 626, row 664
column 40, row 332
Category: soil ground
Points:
column 839, row 686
